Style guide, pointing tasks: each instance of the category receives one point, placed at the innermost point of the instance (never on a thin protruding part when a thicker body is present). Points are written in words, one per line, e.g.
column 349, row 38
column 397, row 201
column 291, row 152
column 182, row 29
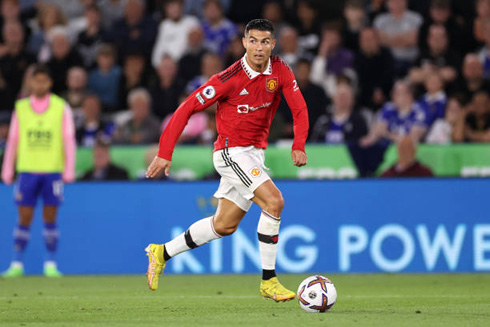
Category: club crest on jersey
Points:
column 209, row 92
column 271, row 84
column 255, row 172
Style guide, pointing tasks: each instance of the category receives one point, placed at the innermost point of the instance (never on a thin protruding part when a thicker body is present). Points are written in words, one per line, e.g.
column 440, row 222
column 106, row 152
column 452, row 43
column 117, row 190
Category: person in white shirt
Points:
column 172, row 38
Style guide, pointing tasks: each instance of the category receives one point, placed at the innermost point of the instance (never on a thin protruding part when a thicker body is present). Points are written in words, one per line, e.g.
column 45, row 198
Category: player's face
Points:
column 40, row 84
column 259, row 45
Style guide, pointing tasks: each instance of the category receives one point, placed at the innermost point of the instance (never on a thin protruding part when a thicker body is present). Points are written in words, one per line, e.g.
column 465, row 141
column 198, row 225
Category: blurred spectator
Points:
column 48, row 17
column 76, row 83
column 340, row 124
column 440, row 14
column 235, row 51
column 14, row 60
column 93, row 128
column 374, row 8
column 289, row 49
column 90, row 39
column 437, row 59
column 309, row 27
column 25, row 88
column 434, row 101
column 112, row 11
column 133, row 77
column 143, row 127
column 63, row 58
column 10, row 13
column 398, row 31
column 332, row 60
column 218, row 30
column 134, row 32
column 194, row 7
column 484, row 53
column 471, row 80
column 407, row 165
column 477, row 127
column 399, row 118
column 71, row 8
column 211, row 64
column 273, row 12
column 355, row 20
column 194, row 131
column 165, row 94
column 374, row 66
column 104, row 169
column 450, row 128
column 104, row 80
column 482, row 15
column 314, row 95
column 190, row 63
column 173, row 33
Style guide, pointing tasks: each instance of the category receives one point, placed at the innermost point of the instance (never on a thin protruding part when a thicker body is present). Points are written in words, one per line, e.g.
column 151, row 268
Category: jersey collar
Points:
column 252, row 73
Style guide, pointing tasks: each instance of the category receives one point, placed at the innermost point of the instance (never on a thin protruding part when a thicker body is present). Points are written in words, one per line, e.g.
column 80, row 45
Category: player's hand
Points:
column 68, row 178
column 299, row 158
column 8, row 180
column 157, row 166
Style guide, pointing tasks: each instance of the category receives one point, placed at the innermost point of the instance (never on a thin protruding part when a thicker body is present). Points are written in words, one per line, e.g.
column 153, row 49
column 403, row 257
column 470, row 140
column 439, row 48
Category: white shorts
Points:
column 242, row 171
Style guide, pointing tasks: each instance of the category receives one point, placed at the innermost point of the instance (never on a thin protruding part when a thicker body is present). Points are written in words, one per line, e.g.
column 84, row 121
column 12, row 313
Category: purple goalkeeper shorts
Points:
column 29, row 186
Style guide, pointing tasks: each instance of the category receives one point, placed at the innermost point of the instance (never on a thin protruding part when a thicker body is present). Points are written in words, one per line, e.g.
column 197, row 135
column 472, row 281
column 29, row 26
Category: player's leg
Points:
column 270, row 199
column 52, row 192
column 225, row 221
column 26, row 190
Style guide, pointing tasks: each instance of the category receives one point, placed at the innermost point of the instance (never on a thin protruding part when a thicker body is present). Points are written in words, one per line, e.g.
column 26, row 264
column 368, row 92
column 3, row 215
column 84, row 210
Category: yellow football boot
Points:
column 272, row 289
column 156, row 264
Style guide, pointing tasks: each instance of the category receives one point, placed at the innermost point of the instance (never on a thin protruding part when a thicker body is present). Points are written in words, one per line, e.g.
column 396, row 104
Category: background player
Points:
column 42, row 139
column 248, row 94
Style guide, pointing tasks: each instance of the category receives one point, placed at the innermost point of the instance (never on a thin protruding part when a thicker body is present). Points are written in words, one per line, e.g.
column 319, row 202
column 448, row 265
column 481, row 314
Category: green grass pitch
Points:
column 233, row 300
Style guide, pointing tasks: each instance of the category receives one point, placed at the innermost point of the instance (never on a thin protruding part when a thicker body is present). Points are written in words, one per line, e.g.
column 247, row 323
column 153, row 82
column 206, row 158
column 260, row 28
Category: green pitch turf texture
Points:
column 233, row 300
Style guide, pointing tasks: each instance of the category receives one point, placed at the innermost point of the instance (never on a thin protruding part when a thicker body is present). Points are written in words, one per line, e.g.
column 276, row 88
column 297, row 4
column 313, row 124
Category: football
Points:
column 317, row 294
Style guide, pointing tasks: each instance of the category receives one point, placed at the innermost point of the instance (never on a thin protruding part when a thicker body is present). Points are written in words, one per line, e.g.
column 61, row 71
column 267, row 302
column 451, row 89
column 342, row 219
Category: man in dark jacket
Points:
column 340, row 124
column 104, row 169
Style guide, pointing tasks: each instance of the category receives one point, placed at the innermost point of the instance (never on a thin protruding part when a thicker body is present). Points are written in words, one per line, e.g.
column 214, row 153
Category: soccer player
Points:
column 247, row 95
column 42, row 139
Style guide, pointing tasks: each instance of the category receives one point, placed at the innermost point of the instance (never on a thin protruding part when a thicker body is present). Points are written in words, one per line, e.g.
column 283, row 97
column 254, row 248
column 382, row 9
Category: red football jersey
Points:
column 246, row 104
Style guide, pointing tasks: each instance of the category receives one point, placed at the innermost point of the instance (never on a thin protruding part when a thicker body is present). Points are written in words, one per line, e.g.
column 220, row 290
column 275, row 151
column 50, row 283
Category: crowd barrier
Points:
column 324, row 161
column 419, row 225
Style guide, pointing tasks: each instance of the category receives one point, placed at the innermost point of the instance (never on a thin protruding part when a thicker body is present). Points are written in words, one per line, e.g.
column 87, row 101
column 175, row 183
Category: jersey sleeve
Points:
column 210, row 92
column 298, row 108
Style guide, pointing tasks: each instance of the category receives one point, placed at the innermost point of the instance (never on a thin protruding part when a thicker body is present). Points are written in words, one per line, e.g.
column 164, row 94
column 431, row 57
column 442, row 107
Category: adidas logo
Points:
column 244, row 92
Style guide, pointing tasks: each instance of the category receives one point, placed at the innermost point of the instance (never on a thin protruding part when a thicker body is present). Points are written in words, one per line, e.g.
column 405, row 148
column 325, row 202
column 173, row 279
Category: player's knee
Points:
column 224, row 229
column 275, row 204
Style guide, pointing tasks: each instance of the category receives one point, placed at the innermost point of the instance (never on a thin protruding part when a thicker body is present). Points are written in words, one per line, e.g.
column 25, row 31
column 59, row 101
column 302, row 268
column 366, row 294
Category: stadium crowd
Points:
column 385, row 71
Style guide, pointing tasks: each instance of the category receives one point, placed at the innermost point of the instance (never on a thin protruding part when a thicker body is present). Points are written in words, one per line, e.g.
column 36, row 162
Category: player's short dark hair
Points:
column 259, row 25
column 41, row 69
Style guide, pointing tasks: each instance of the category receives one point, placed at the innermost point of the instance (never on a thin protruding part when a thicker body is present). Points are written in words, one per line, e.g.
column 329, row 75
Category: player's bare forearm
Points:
column 157, row 167
column 299, row 158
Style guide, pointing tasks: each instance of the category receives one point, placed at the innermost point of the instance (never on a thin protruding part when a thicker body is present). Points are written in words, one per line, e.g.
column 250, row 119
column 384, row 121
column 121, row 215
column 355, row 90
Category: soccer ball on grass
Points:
column 316, row 294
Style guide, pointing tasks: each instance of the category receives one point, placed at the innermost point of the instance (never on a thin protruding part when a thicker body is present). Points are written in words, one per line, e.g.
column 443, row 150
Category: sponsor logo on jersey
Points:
column 209, row 92
column 244, row 92
column 242, row 108
column 199, row 98
column 245, row 108
column 255, row 172
column 271, row 84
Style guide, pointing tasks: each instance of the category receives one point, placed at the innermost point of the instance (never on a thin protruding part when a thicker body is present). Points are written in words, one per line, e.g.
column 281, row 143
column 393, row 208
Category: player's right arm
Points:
column 8, row 170
column 210, row 92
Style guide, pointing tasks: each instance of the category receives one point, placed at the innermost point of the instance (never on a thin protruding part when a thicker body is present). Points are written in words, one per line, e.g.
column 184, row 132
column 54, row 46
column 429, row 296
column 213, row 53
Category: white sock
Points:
column 201, row 232
column 268, row 232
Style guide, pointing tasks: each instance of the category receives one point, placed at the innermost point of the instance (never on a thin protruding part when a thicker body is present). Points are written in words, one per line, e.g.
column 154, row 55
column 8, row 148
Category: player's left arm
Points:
column 299, row 110
column 69, row 145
